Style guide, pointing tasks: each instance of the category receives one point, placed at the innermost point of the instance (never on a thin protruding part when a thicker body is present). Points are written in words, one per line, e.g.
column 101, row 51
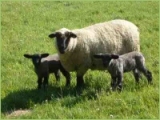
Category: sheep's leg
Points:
column 113, row 82
column 80, row 81
column 80, row 74
column 68, row 78
column 67, row 75
column 136, row 75
column 57, row 75
column 45, row 82
column 39, row 81
column 147, row 74
column 120, row 80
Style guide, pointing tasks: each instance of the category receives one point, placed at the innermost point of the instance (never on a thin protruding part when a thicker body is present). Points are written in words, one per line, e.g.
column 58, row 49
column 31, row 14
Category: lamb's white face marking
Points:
column 36, row 59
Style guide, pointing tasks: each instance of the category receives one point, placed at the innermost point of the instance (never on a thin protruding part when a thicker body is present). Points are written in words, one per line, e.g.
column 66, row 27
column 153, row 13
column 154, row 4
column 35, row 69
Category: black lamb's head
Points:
column 106, row 58
column 36, row 58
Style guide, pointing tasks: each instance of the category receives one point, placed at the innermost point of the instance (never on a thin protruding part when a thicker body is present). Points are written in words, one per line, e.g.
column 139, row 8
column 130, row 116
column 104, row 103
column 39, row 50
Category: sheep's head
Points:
column 62, row 38
column 36, row 58
column 106, row 58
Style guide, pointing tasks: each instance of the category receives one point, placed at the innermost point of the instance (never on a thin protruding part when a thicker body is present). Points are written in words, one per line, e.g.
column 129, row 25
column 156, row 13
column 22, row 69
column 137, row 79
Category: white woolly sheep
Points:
column 117, row 65
column 45, row 64
column 77, row 47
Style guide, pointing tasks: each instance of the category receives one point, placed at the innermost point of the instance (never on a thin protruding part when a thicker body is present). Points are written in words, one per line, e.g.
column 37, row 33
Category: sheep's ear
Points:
column 44, row 55
column 73, row 35
column 70, row 34
column 114, row 56
column 52, row 35
column 28, row 56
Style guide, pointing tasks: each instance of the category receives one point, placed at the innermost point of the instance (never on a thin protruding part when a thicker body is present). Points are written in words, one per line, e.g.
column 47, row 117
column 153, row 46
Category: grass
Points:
column 25, row 27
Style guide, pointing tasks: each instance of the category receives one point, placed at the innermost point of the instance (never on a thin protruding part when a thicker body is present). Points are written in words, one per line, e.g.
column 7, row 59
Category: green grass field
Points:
column 25, row 27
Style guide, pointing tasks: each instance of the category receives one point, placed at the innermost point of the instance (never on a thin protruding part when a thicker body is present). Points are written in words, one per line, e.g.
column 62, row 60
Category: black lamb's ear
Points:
column 114, row 56
column 44, row 55
column 28, row 56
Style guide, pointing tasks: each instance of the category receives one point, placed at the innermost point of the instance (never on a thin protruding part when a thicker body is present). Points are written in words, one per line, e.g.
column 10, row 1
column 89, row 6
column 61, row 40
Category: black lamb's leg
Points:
column 39, row 81
column 57, row 75
column 119, row 81
column 45, row 82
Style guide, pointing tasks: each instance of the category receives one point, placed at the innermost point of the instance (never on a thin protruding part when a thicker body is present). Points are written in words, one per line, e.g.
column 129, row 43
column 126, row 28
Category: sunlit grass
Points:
column 25, row 27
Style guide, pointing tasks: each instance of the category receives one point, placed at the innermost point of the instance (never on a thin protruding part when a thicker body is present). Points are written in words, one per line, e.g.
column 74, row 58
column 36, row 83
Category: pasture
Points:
column 25, row 26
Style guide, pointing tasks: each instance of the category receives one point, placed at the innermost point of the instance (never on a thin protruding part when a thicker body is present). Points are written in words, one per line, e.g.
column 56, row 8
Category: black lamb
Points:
column 44, row 64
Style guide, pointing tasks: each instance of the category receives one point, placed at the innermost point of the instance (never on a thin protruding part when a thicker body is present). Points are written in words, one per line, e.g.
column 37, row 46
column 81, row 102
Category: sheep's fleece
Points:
column 115, row 36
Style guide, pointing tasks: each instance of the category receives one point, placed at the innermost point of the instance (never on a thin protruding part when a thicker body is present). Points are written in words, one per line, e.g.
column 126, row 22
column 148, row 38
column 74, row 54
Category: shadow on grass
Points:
column 27, row 98
column 69, row 96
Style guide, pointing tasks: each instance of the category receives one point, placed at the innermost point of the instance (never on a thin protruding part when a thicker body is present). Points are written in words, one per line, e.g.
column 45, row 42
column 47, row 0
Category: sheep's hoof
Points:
column 119, row 88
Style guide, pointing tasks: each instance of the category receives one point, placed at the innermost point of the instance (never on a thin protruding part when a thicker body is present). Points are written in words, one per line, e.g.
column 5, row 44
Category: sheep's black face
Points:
column 106, row 58
column 62, row 40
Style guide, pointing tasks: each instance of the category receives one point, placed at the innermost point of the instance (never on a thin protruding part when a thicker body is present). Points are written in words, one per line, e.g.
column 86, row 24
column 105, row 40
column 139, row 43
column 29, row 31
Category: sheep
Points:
column 117, row 65
column 44, row 64
column 77, row 47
